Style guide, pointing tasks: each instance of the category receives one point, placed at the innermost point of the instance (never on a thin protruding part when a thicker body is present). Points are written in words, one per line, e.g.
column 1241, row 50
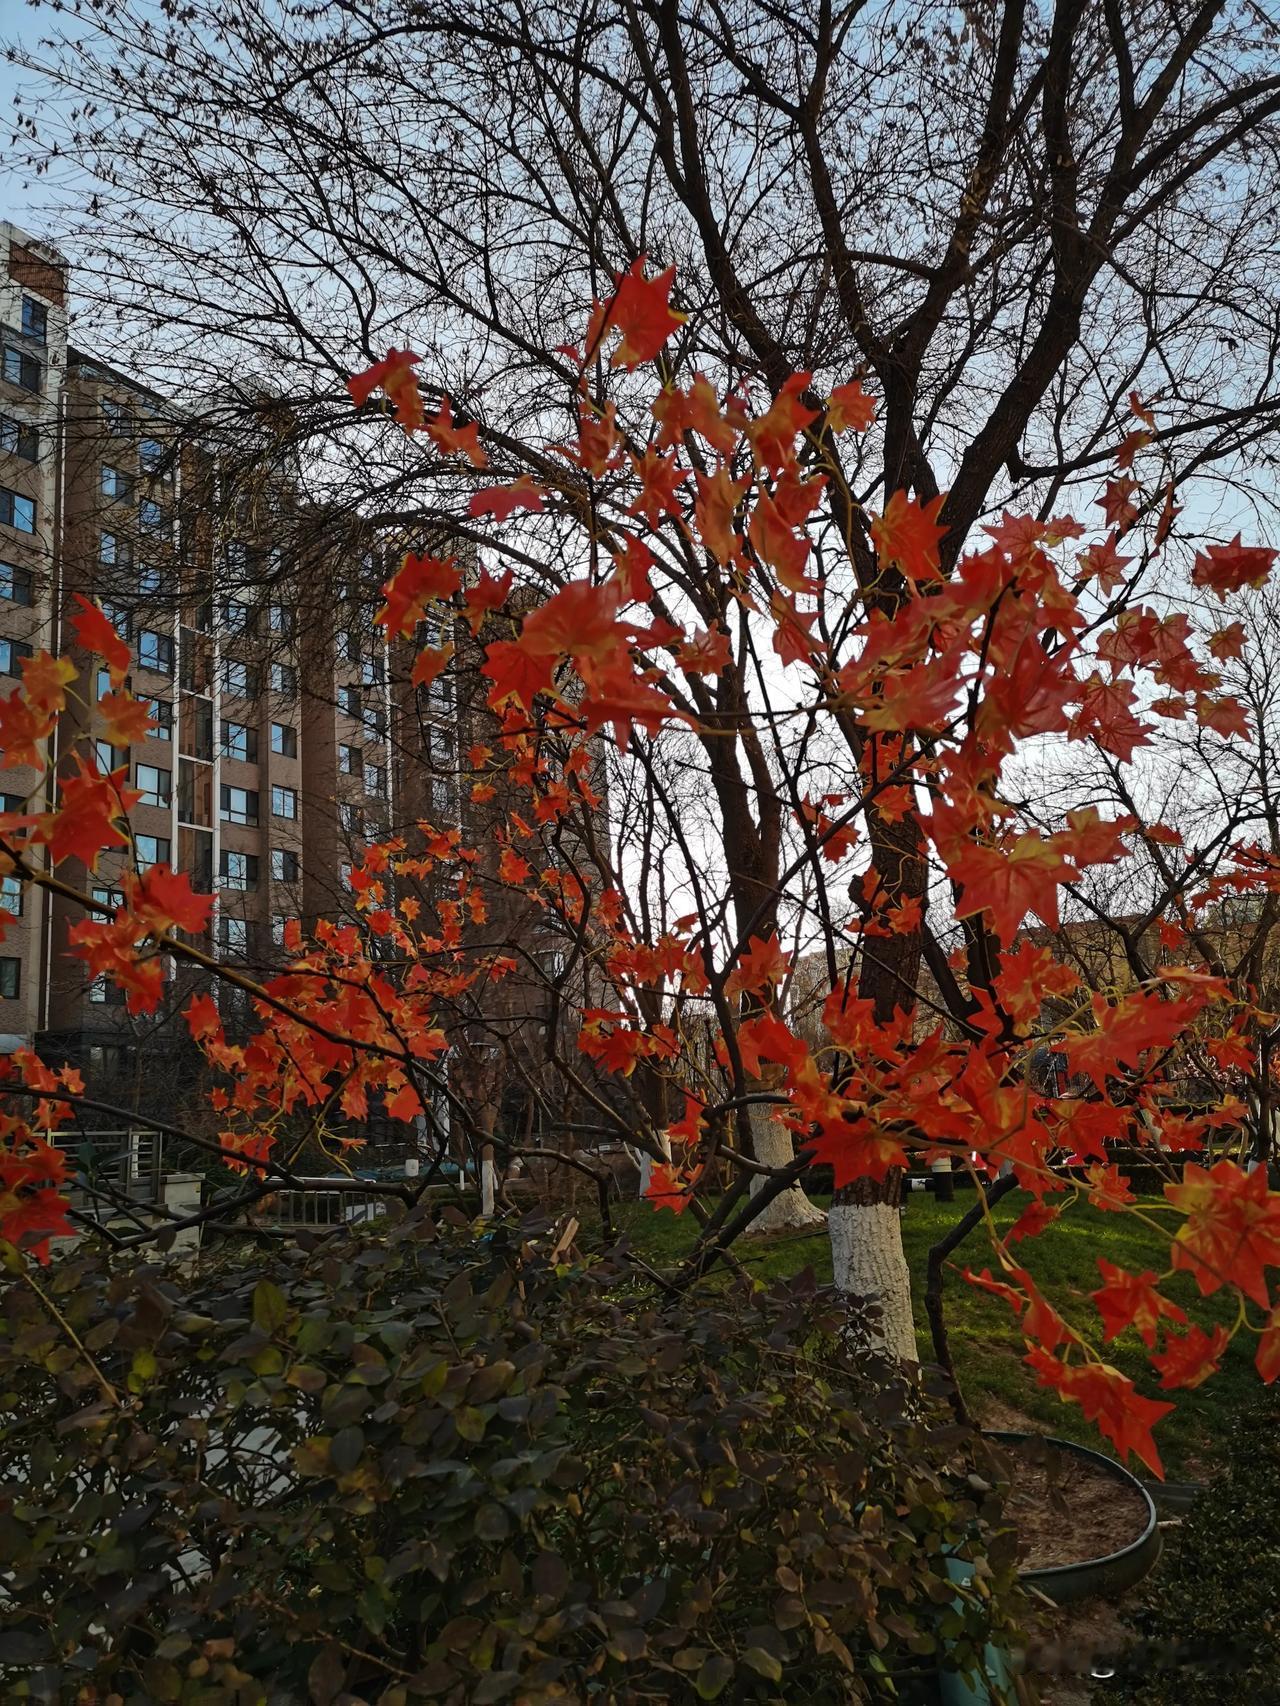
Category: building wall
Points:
column 33, row 337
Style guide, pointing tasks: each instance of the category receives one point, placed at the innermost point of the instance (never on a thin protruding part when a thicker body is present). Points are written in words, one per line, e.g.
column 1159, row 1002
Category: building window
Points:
column 110, row 898
column 11, row 896
column 237, row 618
column 239, row 805
column 21, row 369
column 152, row 517
column 349, row 760
column 151, row 850
column 150, row 581
column 350, row 817
column 238, row 870
column 19, row 439
column 108, row 757
column 284, row 802
column 239, row 679
column 115, row 482
column 35, row 319
column 119, row 616
column 375, row 779
column 349, row 648
column 102, row 681
column 16, row 584
column 278, row 922
column 284, row 679
column 284, row 865
column 233, row 934
column 116, row 418
column 114, row 551
column 12, row 652
column 156, row 785
column 151, row 454
column 284, row 740
column 375, row 723
column 155, row 652
column 240, row 741
column 373, row 671
column 349, row 700
column 17, row 511
column 161, row 712
column 279, row 619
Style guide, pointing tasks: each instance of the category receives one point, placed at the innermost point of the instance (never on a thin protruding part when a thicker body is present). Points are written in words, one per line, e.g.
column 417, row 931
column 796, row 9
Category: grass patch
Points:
column 986, row 1342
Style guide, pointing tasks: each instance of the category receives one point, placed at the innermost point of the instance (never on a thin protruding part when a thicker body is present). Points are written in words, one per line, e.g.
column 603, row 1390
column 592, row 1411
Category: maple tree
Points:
column 871, row 726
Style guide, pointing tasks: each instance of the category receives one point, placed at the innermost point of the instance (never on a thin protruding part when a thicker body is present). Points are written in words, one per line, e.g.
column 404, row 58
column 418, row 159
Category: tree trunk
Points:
column 771, row 1145
column 869, row 1265
column 867, row 1258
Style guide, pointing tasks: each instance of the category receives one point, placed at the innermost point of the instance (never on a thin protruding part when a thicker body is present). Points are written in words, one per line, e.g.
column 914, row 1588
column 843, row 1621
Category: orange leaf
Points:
column 124, row 718
column 96, row 634
column 456, row 440
column 418, row 581
column 640, row 310
column 908, row 534
column 849, row 409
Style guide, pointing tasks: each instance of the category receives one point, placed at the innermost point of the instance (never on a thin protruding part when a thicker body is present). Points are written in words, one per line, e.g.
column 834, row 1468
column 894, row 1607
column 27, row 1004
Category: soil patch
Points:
column 1066, row 1510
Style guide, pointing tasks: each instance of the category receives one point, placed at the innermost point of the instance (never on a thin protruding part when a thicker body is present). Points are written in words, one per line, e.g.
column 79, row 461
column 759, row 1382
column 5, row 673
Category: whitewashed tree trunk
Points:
column 487, row 1182
column 771, row 1145
column 868, row 1261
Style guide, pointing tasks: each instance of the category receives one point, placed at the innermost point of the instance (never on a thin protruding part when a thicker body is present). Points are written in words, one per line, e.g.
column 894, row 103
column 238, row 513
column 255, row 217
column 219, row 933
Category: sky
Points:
column 25, row 199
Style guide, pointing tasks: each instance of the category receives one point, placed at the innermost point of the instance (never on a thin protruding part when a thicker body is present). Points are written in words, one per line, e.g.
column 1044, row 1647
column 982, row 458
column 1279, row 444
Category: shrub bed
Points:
column 1210, row 1628
column 414, row 1465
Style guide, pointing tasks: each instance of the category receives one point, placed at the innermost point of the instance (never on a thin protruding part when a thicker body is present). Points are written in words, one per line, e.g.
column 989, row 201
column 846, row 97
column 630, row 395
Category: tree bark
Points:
column 869, row 1263
column 771, row 1145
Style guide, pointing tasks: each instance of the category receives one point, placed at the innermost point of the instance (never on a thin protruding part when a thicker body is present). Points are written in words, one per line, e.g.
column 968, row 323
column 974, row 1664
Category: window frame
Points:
column 19, row 579
column 252, row 807
column 162, row 796
column 279, row 794
column 164, row 640
column 15, row 504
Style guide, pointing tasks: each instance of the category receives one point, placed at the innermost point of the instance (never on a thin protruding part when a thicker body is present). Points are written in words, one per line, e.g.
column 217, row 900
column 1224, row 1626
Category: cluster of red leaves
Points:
column 945, row 679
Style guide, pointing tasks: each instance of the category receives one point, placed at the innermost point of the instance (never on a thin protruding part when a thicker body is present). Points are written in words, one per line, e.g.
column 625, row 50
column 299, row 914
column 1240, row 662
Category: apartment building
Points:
column 275, row 753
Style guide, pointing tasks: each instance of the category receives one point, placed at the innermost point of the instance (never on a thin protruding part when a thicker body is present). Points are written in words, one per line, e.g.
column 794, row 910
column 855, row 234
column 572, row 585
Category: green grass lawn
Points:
column 986, row 1343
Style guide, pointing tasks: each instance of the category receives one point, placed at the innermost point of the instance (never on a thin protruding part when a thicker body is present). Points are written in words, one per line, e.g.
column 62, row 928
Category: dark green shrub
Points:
column 418, row 1466
column 1210, row 1630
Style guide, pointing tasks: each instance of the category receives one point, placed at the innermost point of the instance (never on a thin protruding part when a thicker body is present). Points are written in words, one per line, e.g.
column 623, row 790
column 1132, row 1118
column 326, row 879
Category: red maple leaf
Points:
column 641, row 311
column 1107, row 1398
column 203, row 1018
column 503, row 501
column 487, row 594
column 773, row 434
column 516, row 673
column 124, row 718
column 1131, row 1300
column 456, row 440
column 394, row 373
column 1189, row 1358
column 416, row 583
column 1227, row 568
column 1009, row 882
column 91, row 808
column 908, row 534
column 1232, row 1230
column 849, row 409
column 765, row 962
column 95, row 634
column 163, row 900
